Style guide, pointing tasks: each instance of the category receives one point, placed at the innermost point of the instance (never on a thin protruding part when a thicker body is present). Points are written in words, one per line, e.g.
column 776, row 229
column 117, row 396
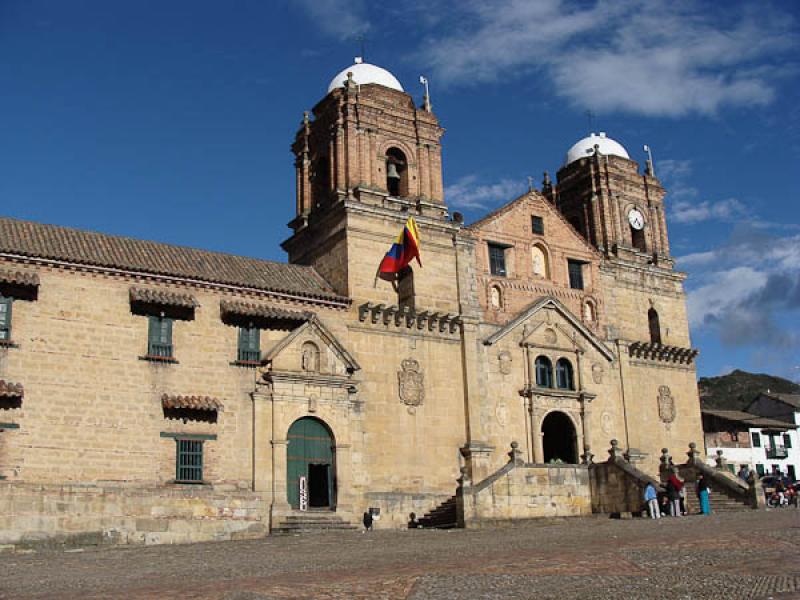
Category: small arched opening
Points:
column 310, row 464
column 539, row 262
column 564, row 377
column 396, row 173
column 589, row 313
column 655, row 326
column 544, row 372
column 495, row 297
column 559, row 439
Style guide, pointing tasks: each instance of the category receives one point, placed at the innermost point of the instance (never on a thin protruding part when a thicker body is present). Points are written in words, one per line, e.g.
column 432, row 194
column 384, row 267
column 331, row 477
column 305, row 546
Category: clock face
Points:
column 636, row 219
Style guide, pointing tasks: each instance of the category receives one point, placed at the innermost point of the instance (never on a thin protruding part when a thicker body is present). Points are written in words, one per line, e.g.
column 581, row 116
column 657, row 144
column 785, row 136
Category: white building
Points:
column 767, row 445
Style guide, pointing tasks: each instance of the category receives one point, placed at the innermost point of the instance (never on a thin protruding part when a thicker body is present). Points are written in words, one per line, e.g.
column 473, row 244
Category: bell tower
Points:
column 366, row 158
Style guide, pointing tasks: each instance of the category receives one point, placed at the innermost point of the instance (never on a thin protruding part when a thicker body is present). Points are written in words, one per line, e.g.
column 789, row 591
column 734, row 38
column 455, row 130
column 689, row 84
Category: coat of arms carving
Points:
column 666, row 404
column 411, row 380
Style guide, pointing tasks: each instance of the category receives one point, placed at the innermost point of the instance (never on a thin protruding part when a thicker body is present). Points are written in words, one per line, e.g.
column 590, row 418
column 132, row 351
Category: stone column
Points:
column 536, row 433
column 280, row 502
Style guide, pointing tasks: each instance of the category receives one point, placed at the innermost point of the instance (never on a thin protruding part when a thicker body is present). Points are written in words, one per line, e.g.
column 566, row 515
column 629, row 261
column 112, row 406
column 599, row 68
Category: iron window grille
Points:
column 575, row 274
column 497, row 260
column 249, row 344
column 159, row 337
column 189, row 461
column 5, row 318
column 537, row 225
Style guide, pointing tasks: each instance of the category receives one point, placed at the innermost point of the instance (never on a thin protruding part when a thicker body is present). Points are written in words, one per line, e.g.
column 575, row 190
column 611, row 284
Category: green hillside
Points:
column 737, row 389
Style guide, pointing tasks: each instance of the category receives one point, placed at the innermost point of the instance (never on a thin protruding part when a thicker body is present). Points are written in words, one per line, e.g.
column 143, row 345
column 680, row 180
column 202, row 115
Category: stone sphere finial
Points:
column 614, row 443
column 514, row 445
column 692, row 445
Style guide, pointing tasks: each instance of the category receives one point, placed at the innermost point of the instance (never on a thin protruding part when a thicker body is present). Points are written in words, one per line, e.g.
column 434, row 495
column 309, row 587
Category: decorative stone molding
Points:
column 405, row 316
column 663, row 353
column 411, row 384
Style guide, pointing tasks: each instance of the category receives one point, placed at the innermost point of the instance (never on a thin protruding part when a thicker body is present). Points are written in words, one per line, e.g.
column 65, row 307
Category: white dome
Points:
column 585, row 147
column 364, row 73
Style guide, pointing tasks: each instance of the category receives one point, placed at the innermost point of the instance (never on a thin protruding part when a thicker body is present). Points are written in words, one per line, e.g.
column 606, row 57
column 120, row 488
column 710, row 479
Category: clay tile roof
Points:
column 19, row 278
column 26, row 238
column 163, row 298
column 790, row 399
column 260, row 310
column 746, row 418
column 192, row 402
column 10, row 390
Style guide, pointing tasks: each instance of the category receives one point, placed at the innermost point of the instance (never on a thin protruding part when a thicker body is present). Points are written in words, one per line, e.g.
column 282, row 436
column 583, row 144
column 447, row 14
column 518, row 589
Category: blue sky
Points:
column 172, row 120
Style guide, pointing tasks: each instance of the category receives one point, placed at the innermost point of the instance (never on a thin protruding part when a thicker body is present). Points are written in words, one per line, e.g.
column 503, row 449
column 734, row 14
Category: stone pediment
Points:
column 311, row 350
column 547, row 323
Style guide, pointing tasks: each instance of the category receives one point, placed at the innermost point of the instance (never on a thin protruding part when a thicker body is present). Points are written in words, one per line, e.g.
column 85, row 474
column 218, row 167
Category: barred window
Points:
column 497, row 259
column 189, row 461
column 159, row 337
column 5, row 318
column 575, row 268
column 537, row 225
column 249, row 344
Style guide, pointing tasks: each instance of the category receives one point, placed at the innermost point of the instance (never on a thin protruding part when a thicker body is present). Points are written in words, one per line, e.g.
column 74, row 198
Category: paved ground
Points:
column 731, row 556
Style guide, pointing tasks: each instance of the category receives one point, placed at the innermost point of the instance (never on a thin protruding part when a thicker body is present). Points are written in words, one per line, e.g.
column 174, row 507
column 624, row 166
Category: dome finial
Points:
column 358, row 60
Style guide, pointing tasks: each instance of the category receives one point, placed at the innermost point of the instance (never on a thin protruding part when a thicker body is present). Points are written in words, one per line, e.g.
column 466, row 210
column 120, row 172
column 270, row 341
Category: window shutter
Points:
column 5, row 318
column 787, row 440
column 166, row 331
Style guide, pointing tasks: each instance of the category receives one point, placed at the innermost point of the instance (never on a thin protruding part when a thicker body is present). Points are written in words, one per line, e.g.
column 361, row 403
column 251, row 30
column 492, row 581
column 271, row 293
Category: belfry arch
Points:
column 559, row 438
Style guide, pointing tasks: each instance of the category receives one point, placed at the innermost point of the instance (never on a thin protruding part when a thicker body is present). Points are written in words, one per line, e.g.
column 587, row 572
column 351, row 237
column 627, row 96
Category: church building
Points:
column 152, row 393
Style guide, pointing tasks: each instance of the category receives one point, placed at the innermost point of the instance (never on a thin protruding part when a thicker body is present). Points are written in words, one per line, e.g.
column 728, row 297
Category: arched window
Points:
column 564, row 379
column 320, row 180
column 495, row 297
column 310, row 357
column 396, row 173
column 655, row 327
column 544, row 372
column 539, row 261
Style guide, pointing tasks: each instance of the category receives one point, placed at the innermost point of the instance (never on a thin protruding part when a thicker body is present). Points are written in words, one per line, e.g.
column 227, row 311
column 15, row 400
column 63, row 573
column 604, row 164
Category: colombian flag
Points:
column 402, row 251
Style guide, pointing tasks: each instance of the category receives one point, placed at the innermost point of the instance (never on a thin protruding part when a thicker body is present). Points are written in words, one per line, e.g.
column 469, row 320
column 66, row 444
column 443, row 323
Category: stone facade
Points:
column 410, row 391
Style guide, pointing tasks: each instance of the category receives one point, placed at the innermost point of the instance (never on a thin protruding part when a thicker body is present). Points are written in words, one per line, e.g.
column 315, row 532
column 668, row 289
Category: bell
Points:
column 391, row 171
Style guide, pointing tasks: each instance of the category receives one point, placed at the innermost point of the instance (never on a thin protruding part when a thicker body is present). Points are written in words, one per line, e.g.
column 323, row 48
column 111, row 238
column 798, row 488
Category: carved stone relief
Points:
column 505, row 362
column 411, row 383
column 597, row 373
column 607, row 423
column 550, row 335
column 501, row 412
column 666, row 405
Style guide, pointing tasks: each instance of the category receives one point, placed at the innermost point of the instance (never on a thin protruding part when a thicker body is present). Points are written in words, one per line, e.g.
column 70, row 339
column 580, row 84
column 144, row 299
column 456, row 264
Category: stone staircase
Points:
column 311, row 522
column 719, row 500
column 442, row 517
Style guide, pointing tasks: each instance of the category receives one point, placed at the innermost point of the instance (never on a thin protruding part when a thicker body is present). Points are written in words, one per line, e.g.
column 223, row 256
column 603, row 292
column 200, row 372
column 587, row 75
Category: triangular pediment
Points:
column 558, row 329
column 312, row 347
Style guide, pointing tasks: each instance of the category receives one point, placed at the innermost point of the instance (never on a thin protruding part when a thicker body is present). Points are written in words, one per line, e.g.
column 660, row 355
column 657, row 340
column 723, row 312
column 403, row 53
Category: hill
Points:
column 737, row 389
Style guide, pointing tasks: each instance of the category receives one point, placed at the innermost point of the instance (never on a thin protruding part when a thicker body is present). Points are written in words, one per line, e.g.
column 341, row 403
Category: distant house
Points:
column 783, row 407
column 768, row 445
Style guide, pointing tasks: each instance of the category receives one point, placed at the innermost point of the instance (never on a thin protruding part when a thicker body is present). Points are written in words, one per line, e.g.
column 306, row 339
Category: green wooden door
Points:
column 310, row 442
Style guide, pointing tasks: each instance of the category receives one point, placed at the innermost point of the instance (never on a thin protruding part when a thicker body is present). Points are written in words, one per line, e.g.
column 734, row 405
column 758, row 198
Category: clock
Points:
column 636, row 219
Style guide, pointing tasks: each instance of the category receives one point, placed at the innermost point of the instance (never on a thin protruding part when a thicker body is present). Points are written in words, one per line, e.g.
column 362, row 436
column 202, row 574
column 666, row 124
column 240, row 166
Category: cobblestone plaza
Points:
column 731, row 556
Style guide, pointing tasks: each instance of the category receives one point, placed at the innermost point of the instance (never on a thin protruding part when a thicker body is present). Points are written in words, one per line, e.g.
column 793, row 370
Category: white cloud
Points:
column 687, row 212
column 637, row 56
column 723, row 291
column 467, row 192
column 344, row 19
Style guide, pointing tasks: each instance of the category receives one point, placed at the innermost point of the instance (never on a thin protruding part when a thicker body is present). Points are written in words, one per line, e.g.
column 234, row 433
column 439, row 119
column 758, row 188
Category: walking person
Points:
column 674, row 488
column 651, row 498
column 367, row 520
column 702, row 494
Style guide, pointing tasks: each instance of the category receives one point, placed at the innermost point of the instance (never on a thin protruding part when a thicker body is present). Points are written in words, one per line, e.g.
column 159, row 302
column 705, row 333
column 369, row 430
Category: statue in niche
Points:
column 504, row 358
column 494, row 297
column 310, row 358
column 666, row 405
column 538, row 261
column 411, row 383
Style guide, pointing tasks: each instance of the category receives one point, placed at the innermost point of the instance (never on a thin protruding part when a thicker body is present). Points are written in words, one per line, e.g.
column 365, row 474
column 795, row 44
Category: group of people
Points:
column 673, row 501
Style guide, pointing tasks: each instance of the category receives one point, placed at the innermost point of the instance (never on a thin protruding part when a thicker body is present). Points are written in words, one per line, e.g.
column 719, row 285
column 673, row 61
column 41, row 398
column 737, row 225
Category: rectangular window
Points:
column 5, row 318
column 791, row 473
column 575, row 268
column 756, row 440
column 249, row 344
column 159, row 337
column 189, row 461
column 497, row 260
column 787, row 440
column 537, row 225
column 760, row 469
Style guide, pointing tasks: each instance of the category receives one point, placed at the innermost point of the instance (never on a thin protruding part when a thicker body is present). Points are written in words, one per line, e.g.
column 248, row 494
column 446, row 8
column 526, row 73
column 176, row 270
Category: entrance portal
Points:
column 559, row 439
column 310, row 454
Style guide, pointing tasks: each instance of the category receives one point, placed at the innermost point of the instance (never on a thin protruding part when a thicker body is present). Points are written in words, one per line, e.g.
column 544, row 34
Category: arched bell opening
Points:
column 559, row 439
column 311, row 464
column 396, row 173
column 655, row 326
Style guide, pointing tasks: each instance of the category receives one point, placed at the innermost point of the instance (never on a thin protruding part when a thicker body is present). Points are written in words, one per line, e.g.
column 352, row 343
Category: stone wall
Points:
column 526, row 491
column 79, row 515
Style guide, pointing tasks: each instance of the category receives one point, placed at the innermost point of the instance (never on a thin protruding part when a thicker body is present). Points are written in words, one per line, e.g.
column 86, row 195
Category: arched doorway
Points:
column 559, row 441
column 310, row 454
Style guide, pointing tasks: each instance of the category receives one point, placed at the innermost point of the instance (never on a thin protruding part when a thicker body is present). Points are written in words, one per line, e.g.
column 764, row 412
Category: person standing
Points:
column 651, row 498
column 702, row 494
column 674, row 488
